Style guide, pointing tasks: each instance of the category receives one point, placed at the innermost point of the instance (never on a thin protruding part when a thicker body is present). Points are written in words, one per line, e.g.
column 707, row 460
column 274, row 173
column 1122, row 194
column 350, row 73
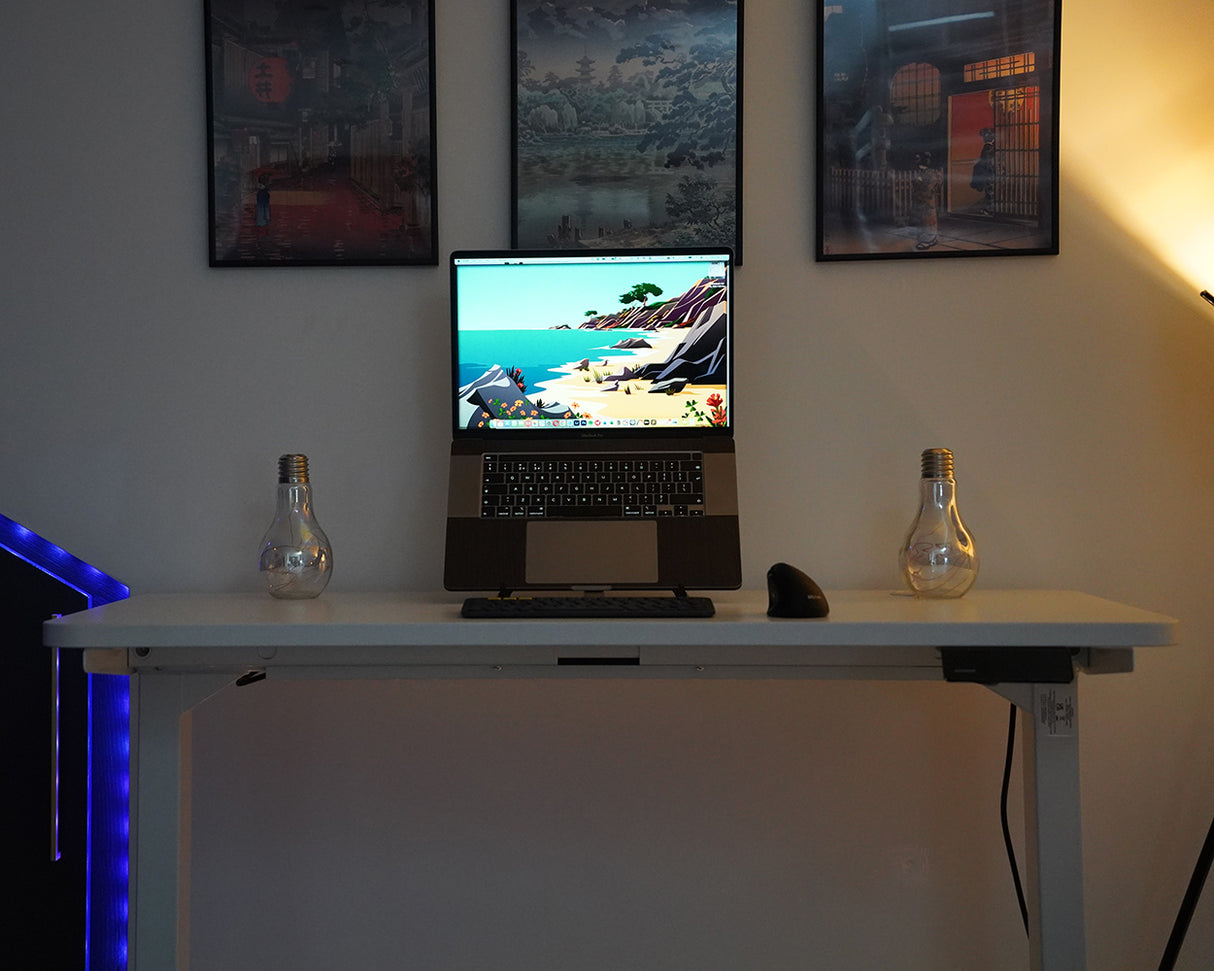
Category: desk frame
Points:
column 181, row 649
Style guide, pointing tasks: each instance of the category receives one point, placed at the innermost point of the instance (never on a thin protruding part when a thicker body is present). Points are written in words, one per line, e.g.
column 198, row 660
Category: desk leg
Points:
column 1053, row 828
column 158, row 702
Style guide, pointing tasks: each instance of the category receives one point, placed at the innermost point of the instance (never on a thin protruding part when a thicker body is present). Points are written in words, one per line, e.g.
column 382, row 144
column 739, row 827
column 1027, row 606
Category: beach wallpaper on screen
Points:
column 643, row 347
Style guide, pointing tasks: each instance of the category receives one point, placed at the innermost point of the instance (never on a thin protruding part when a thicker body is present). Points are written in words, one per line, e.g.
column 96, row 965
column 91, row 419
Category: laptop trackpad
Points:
column 563, row 553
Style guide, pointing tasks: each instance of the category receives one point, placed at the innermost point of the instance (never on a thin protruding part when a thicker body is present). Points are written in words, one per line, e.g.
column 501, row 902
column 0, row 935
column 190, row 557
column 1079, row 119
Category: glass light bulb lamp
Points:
column 938, row 557
column 296, row 559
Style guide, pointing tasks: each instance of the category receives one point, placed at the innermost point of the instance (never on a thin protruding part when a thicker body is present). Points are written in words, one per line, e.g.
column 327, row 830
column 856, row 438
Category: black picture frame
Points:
column 937, row 129
column 626, row 122
column 321, row 133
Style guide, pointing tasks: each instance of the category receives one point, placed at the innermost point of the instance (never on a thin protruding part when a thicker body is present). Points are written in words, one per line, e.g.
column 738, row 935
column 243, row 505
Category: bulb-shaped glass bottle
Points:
column 296, row 559
column 938, row 557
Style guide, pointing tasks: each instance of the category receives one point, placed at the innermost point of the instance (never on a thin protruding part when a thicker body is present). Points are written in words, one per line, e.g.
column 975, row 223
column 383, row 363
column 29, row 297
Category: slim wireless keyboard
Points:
column 639, row 608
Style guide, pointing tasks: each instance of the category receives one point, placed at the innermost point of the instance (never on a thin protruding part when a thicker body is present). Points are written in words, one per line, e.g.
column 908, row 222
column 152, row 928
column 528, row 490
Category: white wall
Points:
column 145, row 398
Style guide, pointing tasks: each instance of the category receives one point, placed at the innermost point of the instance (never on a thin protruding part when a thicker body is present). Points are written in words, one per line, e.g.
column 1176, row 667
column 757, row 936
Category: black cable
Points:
column 1192, row 894
column 1007, row 834
column 1189, row 904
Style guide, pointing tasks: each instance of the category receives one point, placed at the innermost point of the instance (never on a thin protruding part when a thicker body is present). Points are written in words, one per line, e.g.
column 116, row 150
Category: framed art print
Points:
column 321, row 132
column 937, row 131
column 626, row 120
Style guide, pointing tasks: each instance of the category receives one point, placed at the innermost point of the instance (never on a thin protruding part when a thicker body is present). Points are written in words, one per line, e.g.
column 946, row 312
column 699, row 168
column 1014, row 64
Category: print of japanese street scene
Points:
column 321, row 132
column 936, row 129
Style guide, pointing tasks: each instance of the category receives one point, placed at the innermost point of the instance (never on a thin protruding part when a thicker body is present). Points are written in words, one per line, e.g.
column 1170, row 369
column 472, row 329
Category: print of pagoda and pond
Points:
column 626, row 128
column 665, row 360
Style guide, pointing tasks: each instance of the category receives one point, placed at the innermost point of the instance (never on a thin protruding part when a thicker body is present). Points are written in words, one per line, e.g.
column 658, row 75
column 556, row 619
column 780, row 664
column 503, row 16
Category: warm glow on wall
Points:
column 1138, row 125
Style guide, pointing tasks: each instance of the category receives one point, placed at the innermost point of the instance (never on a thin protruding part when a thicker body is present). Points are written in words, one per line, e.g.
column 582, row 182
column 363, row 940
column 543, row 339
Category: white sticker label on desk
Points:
column 1055, row 709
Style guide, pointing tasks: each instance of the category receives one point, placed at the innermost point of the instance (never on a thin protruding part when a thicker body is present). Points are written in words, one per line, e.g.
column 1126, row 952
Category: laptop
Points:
column 592, row 422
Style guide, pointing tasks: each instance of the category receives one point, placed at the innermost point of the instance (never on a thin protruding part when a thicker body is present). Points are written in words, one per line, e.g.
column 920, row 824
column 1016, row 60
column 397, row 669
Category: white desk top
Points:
column 1003, row 618
column 190, row 646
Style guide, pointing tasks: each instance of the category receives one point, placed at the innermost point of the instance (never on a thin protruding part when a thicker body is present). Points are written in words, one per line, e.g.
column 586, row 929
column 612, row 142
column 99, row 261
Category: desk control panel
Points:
column 1000, row 665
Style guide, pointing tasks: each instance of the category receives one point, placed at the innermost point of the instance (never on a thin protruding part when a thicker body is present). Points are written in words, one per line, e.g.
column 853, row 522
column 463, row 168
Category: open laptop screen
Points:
column 609, row 341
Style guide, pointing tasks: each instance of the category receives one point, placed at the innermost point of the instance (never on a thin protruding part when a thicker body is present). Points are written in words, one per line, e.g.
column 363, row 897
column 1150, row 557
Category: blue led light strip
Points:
column 108, row 833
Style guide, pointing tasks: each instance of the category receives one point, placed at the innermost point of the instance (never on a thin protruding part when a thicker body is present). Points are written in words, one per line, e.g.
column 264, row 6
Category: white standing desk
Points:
column 180, row 649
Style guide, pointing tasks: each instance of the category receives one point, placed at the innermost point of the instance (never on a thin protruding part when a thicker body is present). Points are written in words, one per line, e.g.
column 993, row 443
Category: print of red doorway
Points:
column 994, row 158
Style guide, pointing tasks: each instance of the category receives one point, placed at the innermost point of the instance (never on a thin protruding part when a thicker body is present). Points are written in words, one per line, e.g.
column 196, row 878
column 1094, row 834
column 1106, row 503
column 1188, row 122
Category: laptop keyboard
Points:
column 640, row 485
